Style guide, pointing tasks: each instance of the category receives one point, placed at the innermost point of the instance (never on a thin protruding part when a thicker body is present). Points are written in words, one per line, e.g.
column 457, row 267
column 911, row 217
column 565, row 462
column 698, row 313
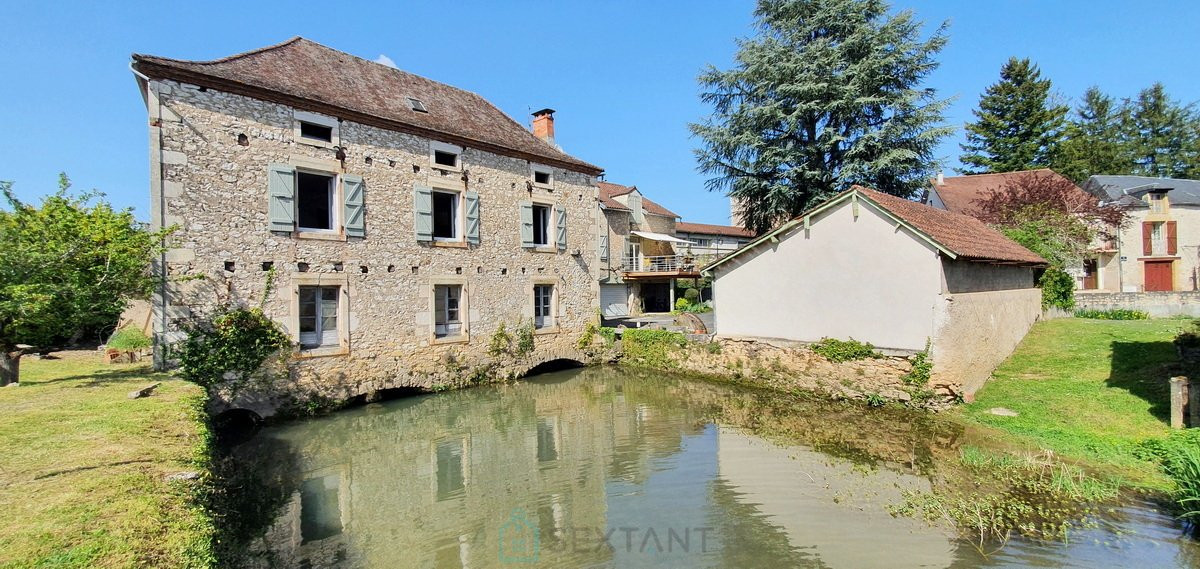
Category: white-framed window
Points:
column 543, row 176
column 633, row 254
column 319, row 316
column 1158, row 238
column 447, row 308
column 543, row 306
column 541, row 224
column 316, row 194
column 315, row 129
column 1158, row 202
column 447, row 222
column 445, row 156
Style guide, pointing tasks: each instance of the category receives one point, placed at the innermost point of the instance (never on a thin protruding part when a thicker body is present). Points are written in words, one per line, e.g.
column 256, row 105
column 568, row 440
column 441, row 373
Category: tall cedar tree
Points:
column 1018, row 126
column 1164, row 136
column 66, row 268
column 827, row 94
column 1095, row 143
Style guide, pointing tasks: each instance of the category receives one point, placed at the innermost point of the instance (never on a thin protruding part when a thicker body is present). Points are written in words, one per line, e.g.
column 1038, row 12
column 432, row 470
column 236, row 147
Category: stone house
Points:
column 888, row 271
column 1159, row 249
column 640, row 256
column 403, row 220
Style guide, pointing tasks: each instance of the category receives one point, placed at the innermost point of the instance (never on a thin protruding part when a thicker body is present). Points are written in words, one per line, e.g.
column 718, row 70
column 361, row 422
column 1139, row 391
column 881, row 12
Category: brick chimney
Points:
column 543, row 125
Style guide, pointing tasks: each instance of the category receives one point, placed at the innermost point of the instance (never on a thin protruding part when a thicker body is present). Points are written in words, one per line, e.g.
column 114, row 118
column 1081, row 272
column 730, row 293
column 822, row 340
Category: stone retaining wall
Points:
column 1158, row 304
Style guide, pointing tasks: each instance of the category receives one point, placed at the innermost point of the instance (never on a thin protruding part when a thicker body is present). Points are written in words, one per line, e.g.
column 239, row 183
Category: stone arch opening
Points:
column 236, row 426
column 556, row 364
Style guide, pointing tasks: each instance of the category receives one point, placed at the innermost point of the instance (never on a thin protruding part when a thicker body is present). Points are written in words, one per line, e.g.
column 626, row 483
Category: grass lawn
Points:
column 1087, row 389
column 82, row 467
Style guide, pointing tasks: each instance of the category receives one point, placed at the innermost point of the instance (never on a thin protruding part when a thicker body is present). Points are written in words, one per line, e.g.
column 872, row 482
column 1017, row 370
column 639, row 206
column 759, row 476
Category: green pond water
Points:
column 605, row 467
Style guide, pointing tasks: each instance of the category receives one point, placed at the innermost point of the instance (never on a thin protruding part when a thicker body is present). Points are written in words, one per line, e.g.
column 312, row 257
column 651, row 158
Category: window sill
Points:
column 548, row 187
column 446, row 168
column 459, row 339
column 543, row 249
column 545, row 330
column 322, row 352
column 450, row 244
column 320, row 235
column 318, row 143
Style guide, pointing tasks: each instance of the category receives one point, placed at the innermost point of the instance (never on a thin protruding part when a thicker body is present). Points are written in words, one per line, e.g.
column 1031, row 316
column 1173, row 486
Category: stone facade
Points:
column 210, row 154
column 619, row 223
column 1156, row 304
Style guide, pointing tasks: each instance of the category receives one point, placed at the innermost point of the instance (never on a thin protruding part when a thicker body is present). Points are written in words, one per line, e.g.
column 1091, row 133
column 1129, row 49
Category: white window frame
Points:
column 457, row 215
column 1158, row 238
column 435, row 147
column 342, row 346
column 335, row 196
column 464, row 312
column 535, row 169
column 547, row 227
column 322, row 338
column 320, row 120
column 546, row 322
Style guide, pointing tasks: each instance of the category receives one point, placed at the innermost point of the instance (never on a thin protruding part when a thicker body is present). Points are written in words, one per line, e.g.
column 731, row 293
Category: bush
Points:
column 682, row 304
column 501, row 341
column 692, row 295
column 1114, row 314
column 922, row 368
column 836, row 350
column 1179, row 455
column 129, row 339
column 1058, row 289
column 231, row 346
column 650, row 348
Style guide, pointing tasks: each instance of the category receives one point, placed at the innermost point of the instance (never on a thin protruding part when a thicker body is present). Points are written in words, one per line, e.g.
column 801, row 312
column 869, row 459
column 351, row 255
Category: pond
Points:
column 606, row 467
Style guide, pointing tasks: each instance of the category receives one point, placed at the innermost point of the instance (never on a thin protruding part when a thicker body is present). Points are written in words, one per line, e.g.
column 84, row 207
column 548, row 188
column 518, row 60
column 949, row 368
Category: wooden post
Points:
column 1194, row 404
column 1178, row 399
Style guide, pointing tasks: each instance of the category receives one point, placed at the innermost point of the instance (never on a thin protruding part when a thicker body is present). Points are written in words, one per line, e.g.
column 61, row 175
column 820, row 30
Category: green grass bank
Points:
column 83, row 469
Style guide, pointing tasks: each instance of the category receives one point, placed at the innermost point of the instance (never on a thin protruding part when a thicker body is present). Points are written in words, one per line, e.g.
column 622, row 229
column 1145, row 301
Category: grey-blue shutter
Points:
column 281, row 190
column 352, row 195
column 472, row 217
column 423, row 212
column 604, row 247
column 562, row 227
column 527, row 224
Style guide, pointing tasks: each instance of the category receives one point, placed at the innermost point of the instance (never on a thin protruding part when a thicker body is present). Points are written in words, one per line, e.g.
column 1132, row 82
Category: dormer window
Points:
column 314, row 129
column 543, row 177
column 1158, row 202
column 416, row 105
column 445, row 156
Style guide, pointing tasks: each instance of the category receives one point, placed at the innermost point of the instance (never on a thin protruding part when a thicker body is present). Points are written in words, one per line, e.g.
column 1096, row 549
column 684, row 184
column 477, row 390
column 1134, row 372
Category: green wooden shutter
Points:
column 604, row 247
column 472, row 202
column 281, row 190
column 527, row 224
column 562, row 227
column 352, row 194
column 423, row 212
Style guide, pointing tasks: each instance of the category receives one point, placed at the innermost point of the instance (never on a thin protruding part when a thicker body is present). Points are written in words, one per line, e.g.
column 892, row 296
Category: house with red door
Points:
column 1158, row 249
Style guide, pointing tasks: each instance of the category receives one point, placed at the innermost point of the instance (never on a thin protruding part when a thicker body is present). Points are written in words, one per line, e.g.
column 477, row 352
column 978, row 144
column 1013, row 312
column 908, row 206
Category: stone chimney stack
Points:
column 543, row 125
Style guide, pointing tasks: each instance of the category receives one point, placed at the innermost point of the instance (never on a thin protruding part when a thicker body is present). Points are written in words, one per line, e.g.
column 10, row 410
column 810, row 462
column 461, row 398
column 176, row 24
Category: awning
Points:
column 661, row 237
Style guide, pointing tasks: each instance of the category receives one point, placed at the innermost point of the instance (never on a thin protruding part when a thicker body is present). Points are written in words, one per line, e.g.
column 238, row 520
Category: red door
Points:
column 1158, row 276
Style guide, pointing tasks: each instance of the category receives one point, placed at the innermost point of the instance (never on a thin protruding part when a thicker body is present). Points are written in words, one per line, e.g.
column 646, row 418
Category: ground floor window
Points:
column 447, row 302
column 318, row 316
column 543, row 314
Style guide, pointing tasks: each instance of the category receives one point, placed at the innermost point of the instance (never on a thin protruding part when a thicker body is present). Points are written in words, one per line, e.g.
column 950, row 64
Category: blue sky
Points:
column 621, row 74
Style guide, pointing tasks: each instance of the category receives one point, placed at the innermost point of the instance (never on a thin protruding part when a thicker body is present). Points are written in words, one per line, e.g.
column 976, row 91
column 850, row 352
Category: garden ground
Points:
column 83, row 469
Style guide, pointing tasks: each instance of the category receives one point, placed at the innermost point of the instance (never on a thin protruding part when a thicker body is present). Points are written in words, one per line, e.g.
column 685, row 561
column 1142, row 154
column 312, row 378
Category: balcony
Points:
column 661, row 266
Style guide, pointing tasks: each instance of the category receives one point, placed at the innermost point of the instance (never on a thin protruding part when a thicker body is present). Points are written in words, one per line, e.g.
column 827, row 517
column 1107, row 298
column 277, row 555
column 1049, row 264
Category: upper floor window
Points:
column 315, row 201
column 314, row 129
column 315, row 193
column 1158, row 202
column 541, row 225
column 543, row 177
column 446, row 216
column 445, row 156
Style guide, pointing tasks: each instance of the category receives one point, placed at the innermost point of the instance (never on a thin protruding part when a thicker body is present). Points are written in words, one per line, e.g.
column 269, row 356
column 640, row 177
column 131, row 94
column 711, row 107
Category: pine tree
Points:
column 827, row 94
column 1163, row 134
column 1094, row 142
column 1018, row 126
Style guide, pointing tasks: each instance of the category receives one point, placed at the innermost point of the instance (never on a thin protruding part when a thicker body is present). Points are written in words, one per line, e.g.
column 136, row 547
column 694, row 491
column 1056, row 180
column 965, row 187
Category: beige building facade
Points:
column 640, row 254
column 390, row 235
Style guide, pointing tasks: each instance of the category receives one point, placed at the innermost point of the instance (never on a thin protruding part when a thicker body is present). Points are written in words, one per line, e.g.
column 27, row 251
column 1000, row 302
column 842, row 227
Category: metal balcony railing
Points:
column 661, row 264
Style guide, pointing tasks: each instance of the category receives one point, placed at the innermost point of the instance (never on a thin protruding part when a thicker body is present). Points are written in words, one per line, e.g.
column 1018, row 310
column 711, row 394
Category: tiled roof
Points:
column 308, row 75
column 1129, row 189
column 959, row 193
column 962, row 235
column 609, row 190
column 710, row 229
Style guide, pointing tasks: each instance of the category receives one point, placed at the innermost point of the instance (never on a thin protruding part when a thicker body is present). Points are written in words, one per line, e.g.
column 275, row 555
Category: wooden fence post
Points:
column 1178, row 400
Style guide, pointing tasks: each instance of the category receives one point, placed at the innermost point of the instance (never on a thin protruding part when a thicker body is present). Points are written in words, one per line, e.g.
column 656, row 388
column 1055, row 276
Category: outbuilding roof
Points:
column 307, row 75
column 956, row 235
column 960, row 194
column 710, row 229
column 1129, row 189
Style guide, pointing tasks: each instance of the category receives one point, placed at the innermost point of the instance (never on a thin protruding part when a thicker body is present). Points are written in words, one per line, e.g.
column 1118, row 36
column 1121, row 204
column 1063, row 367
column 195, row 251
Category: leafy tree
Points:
column 66, row 268
column 1164, row 135
column 1094, row 139
column 1018, row 126
column 827, row 95
column 1008, row 205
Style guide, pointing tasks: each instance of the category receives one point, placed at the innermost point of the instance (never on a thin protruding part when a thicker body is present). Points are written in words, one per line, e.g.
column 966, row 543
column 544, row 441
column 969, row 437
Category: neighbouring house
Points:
column 403, row 220
column 711, row 241
column 888, row 271
column 640, row 256
column 1158, row 249
column 963, row 194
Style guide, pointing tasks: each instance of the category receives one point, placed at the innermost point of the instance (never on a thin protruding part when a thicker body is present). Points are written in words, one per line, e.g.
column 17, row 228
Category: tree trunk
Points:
column 10, row 366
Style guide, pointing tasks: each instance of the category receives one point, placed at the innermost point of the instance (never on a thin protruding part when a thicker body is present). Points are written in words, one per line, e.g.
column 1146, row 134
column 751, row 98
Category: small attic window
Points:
column 543, row 177
column 313, row 131
column 417, row 105
column 445, row 156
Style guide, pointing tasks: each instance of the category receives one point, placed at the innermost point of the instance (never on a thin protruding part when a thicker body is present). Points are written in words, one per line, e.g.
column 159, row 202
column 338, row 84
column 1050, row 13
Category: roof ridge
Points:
column 233, row 57
column 1002, row 173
